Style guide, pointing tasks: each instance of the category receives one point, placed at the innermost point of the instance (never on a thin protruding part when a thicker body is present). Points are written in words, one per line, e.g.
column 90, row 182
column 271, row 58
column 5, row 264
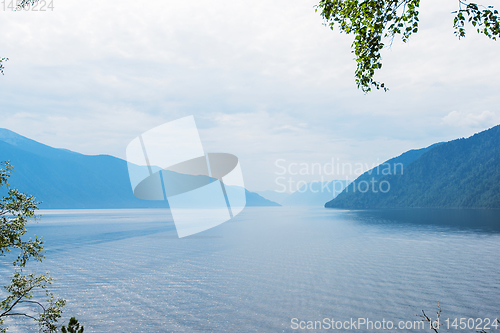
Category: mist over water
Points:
column 126, row 270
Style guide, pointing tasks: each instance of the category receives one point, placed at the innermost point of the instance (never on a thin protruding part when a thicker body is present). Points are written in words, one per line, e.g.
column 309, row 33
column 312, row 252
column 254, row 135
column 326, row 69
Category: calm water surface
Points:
column 126, row 270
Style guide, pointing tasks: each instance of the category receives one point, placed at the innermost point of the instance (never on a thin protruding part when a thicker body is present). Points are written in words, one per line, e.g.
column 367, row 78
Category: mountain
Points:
column 463, row 173
column 315, row 193
column 254, row 199
column 273, row 195
column 60, row 178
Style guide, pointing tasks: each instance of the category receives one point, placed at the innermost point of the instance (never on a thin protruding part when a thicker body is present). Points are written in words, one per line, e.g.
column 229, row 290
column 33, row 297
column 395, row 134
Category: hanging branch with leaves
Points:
column 1, row 64
column 374, row 22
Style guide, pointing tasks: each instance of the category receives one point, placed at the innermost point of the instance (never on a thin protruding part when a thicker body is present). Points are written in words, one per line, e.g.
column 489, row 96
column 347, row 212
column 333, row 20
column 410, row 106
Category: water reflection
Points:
column 472, row 220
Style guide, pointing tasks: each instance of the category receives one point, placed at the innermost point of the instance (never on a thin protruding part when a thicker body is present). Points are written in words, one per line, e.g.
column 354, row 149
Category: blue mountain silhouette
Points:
column 60, row 178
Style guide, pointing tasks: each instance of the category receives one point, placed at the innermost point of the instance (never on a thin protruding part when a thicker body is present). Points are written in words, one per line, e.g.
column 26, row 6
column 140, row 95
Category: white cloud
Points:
column 481, row 120
column 265, row 80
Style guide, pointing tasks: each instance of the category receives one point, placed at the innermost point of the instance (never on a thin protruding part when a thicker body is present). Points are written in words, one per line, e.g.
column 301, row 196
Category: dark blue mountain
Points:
column 60, row 178
column 463, row 173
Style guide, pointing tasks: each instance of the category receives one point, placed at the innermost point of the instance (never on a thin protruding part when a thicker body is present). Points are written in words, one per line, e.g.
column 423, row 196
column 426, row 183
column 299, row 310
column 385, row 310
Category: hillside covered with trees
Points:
column 463, row 173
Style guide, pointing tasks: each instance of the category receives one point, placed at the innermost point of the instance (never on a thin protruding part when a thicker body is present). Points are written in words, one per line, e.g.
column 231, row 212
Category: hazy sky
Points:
column 265, row 81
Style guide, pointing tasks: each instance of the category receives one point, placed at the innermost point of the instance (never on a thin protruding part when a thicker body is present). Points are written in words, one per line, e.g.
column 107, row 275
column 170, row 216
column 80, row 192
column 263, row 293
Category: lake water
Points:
column 126, row 270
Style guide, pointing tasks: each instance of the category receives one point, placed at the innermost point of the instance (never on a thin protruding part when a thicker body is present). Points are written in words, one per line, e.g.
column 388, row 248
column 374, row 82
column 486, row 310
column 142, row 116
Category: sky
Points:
column 265, row 80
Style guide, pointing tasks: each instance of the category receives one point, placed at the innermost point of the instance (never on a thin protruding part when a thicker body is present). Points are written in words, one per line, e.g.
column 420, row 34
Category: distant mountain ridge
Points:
column 463, row 173
column 315, row 194
column 273, row 195
column 61, row 178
